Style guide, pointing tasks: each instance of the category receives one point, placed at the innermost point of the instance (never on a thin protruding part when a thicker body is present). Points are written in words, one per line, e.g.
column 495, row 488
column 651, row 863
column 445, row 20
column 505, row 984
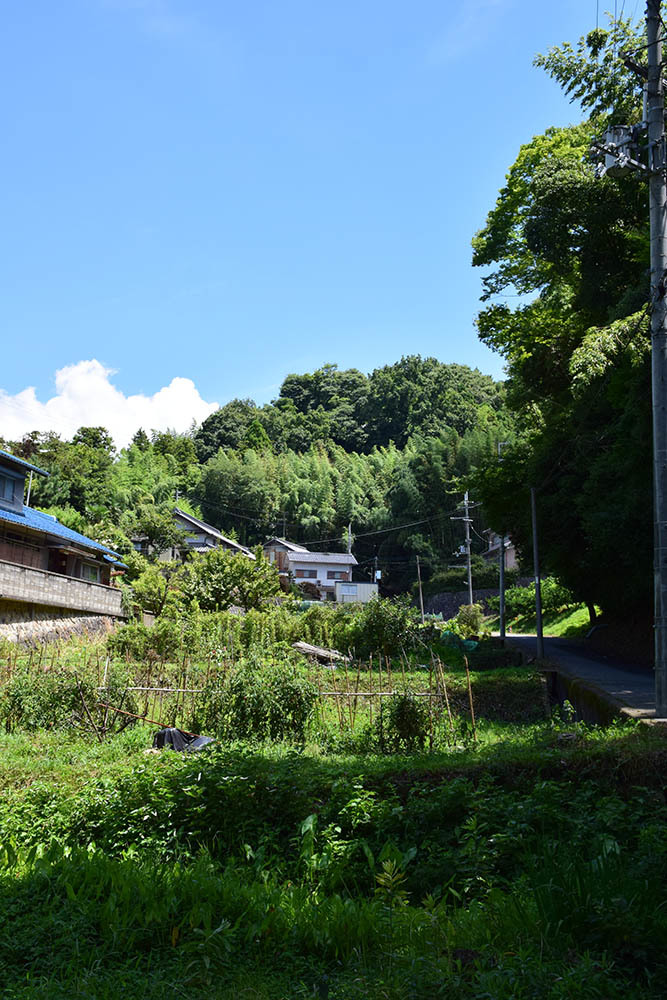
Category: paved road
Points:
column 630, row 687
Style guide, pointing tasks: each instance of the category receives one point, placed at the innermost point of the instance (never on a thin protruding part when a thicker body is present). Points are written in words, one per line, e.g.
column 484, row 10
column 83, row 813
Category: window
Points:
column 90, row 573
column 7, row 487
column 306, row 574
column 336, row 574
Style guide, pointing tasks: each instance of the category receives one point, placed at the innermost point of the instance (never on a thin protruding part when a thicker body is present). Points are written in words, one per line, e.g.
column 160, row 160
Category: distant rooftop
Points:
column 292, row 546
column 345, row 558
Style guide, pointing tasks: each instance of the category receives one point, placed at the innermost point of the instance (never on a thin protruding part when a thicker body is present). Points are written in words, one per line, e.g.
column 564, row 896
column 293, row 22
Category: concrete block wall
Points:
column 36, row 586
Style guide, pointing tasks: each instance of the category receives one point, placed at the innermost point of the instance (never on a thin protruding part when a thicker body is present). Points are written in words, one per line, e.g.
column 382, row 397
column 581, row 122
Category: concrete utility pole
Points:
column 501, row 567
column 658, row 216
column 538, row 582
column 467, row 520
column 501, row 587
column 622, row 153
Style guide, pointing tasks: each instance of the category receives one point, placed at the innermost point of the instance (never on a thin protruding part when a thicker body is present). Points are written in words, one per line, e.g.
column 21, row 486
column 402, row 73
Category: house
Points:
column 46, row 569
column 199, row 537
column 322, row 570
column 492, row 553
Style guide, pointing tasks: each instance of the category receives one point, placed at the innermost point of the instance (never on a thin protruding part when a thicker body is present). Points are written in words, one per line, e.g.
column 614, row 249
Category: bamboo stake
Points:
column 349, row 702
column 444, row 689
column 338, row 704
column 430, row 708
column 472, row 710
column 370, row 700
column 86, row 709
column 356, row 692
column 143, row 718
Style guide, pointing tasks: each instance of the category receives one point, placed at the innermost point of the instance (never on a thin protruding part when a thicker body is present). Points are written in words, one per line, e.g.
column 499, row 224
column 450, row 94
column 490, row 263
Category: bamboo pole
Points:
column 472, row 710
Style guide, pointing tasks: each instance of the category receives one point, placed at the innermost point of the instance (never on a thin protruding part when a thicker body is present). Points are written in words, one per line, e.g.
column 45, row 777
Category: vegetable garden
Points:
column 403, row 823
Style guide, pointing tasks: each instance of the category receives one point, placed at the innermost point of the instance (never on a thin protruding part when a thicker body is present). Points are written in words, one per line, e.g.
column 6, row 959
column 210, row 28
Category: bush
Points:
column 389, row 626
column 403, row 725
column 469, row 621
column 520, row 601
column 258, row 702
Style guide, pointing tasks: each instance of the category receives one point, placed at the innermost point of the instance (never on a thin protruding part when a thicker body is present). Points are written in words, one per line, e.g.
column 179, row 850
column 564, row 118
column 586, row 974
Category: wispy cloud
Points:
column 86, row 397
column 162, row 18
column 473, row 22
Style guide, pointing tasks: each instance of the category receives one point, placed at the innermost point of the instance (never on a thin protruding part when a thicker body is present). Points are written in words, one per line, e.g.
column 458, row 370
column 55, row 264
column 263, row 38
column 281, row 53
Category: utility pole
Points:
column 421, row 596
column 349, row 537
column 622, row 154
column 467, row 521
column 658, row 217
column 501, row 567
column 501, row 586
column 538, row 582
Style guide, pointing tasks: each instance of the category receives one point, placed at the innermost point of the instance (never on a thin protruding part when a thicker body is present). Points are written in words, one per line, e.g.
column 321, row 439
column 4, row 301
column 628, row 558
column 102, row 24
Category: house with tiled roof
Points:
column 47, row 570
column 198, row 536
column 320, row 570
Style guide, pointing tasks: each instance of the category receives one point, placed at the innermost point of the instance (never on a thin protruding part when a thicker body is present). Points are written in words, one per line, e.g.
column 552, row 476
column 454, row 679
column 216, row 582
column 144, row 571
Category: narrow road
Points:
column 629, row 686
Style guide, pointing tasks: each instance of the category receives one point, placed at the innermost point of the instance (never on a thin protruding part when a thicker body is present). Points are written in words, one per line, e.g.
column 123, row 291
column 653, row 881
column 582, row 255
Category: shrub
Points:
column 520, row 601
column 385, row 625
column 258, row 702
column 469, row 620
column 403, row 725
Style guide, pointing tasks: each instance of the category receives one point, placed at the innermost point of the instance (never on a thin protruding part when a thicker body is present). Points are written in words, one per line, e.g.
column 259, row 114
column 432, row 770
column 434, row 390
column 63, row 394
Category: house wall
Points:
column 355, row 593
column 321, row 569
column 39, row 587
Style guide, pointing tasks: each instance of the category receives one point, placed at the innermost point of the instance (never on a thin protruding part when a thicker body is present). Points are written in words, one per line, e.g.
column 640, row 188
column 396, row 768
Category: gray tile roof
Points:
column 340, row 558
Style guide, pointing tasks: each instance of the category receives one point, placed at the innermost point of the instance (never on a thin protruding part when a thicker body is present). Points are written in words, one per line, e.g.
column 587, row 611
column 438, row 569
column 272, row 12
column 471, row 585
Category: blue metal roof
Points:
column 19, row 461
column 38, row 521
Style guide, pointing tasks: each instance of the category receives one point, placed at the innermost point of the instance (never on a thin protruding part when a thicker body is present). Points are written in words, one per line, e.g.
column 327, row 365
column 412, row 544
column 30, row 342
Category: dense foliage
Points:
column 335, row 448
column 578, row 351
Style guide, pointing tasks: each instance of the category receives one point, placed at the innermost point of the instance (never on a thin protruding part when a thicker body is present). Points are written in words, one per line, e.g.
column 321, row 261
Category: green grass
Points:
column 569, row 623
column 522, row 868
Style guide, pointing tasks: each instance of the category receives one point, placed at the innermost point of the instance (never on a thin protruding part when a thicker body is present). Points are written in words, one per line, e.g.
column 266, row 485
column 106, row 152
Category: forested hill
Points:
column 356, row 411
column 386, row 452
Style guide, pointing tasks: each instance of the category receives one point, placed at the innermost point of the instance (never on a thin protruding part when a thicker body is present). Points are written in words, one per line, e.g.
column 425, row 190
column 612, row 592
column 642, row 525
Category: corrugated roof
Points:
column 38, row 521
column 19, row 461
column 345, row 558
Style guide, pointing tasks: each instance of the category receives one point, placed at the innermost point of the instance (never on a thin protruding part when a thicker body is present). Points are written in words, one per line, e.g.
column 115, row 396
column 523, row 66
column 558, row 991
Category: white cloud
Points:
column 86, row 397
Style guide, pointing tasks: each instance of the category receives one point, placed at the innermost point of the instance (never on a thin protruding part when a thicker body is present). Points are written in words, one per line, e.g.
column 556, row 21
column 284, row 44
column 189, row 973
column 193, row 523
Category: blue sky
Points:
column 225, row 193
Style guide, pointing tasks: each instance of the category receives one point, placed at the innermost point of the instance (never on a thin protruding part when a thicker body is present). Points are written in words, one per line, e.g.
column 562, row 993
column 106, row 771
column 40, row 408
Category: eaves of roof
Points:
column 7, row 457
column 38, row 521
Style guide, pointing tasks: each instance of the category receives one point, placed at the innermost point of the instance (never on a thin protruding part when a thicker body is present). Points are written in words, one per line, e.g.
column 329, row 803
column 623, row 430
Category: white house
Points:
column 492, row 554
column 321, row 569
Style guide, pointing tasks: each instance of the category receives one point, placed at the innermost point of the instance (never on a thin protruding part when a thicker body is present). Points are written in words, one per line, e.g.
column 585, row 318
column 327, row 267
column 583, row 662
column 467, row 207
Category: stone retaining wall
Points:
column 33, row 624
column 448, row 604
